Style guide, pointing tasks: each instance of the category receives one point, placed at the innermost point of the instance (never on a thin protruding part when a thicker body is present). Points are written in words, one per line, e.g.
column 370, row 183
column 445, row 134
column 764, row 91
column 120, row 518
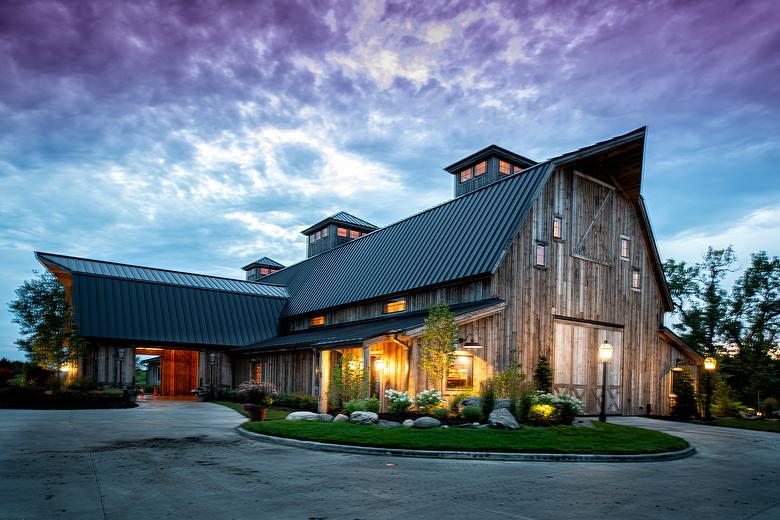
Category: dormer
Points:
column 333, row 231
column 484, row 167
column 261, row 268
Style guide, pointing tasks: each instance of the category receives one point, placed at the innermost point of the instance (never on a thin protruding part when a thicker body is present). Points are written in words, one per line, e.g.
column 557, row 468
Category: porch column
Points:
column 324, row 382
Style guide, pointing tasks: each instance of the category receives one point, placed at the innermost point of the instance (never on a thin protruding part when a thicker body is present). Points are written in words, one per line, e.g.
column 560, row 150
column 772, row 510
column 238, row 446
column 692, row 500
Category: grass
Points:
column 604, row 438
column 274, row 414
column 747, row 424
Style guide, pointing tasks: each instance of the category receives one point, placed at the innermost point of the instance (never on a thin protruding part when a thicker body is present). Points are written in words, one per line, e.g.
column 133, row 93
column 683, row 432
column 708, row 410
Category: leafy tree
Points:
column 348, row 381
column 44, row 316
column 543, row 375
column 437, row 343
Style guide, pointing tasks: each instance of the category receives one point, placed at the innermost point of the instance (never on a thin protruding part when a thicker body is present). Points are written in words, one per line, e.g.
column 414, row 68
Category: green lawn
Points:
column 747, row 424
column 605, row 438
column 273, row 413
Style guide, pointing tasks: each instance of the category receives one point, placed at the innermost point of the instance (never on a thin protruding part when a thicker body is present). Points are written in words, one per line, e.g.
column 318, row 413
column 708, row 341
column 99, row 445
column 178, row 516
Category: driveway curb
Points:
column 469, row 455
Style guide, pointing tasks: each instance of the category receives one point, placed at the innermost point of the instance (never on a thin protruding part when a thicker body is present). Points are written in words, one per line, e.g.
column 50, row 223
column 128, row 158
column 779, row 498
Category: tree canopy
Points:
column 437, row 343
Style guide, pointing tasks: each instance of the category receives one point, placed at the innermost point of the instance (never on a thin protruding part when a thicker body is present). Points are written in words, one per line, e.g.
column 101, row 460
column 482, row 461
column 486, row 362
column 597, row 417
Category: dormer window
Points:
column 397, row 305
column 354, row 234
column 342, row 232
column 318, row 235
column 504, row 168
column 465, row 175
column 324, row 232
column 317, row 321
column 480, row 168
column 311, row 239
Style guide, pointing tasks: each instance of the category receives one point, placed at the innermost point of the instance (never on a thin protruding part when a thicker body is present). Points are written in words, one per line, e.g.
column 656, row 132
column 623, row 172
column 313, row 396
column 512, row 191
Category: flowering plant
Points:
column 428, row 400
column 201, row 391
column 398, row 402
column 260, row 394
column 566, row 406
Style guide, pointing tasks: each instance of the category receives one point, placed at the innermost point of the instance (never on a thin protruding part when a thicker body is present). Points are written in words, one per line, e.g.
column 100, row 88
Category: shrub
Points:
column 542, row 414
column 487, row 397
column 441, row 413
column 398, row 402
column 770, row 406
column 457, row 399
column 543, row 375
column 568, row 407
column 471, row 413
column 725, row 405
column 685, row 405
column 348, row 381
column 369, row 404
column 509, row 383
column 261, row 394
column 6, row 374
column 428, row 401
column 298, row 401
column 228, row 394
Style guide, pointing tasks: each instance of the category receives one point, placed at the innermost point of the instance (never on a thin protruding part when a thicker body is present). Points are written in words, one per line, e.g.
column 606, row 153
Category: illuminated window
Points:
column 397, row 305
column 516, row 169
column 324, row 232
column 465, row 175
column 311, row 239
column 461, row 372
column 257, row 372
column 541, row 255
column 342, row 232
column 636, row 279
column 354, row 234
column 480, row 168
column 316, row 321
column 625, row 248
column 265, row 271
column 557, row 228
column 504, row 168
column 318, row 235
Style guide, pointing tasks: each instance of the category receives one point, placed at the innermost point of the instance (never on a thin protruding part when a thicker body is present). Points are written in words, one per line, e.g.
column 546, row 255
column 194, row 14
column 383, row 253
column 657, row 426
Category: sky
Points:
column 199, row 136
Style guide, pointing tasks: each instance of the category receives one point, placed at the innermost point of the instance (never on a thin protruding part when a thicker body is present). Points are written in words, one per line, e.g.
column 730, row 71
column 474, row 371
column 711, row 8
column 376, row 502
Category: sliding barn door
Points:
column 179, row 372
column 576, row 370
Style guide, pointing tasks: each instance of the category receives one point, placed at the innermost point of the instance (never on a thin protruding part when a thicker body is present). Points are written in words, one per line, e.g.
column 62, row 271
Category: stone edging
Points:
column 470, row 455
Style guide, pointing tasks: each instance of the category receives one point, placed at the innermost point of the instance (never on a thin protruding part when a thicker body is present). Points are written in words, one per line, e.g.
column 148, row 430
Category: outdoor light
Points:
column 465, row 344
column 605, row 356
column 213, row 357
column 709, row 363
column 379, row 365
column 709, row 366
column 120, row 352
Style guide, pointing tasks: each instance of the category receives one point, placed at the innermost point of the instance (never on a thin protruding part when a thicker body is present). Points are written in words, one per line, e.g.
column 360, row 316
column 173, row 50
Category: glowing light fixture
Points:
column 710, row 363
column 605, row 356
column 473, row 344
column 605, row 352
column 379, row 365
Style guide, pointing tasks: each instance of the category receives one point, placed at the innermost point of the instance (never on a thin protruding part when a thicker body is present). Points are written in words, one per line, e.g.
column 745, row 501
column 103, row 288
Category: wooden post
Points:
column 324, row 380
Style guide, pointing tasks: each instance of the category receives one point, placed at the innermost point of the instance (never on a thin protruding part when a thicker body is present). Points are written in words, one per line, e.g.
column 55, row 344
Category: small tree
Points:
column 685, row 405
column 543, row 375
column 348, row 381
column 437, row 344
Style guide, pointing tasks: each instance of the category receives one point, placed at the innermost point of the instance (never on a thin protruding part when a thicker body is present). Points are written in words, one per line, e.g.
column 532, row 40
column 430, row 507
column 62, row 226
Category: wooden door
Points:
column 179, row 372
column 576, row 370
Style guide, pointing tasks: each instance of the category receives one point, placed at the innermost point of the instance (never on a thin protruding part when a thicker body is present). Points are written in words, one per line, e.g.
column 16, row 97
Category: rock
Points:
column 501, row 403
column 303, row 416
column 501, row 418
column 341, row 418
column 388, row 424
column 361, row 417
column 748, row 416
column 408, row 423
column 475, row 401
column 579, row 422
column 445, row 426
column 426, row 422
column 325, row 417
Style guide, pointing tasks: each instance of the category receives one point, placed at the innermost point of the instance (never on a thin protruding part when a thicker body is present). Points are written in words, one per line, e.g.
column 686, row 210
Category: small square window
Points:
column 625, row 248
column 318, row 235
column 342, row 232
column 480, row 168
column 504, row 168
column 465, row 175
column 324, row 232
column 316, row 321
column 557, row 228
column 397, row 305
column 311, row 239
column 636, row 279
column 516, row 169
column 354, row 234
column 540, row 259
column 265, row 271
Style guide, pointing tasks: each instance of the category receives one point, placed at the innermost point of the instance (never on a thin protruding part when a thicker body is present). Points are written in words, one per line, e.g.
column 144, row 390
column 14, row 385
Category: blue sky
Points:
column 200, row 136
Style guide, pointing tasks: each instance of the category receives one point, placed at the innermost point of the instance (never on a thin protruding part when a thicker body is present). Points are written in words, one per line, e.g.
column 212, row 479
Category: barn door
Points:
column 576, row 370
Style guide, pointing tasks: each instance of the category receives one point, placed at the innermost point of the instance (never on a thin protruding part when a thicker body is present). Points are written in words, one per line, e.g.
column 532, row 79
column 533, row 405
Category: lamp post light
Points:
column 709, row 367
column 212, row 362
column 379, row 366
column 120, row 354
column 605, row 356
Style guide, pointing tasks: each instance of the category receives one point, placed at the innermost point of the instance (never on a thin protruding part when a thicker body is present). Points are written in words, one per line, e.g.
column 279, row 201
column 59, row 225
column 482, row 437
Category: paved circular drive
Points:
column 185, row 460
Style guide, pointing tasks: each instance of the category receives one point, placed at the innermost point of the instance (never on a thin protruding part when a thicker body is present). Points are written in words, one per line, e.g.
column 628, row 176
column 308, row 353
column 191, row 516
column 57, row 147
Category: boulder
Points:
column 304, row 416
column 325, row 417
column 388, row 424
column 341, row 418
column 579, row 422
column 408, row 423
column 501, row 418
column 475, row 400
column 426, row 422
column 501, row 403
column 361, row 417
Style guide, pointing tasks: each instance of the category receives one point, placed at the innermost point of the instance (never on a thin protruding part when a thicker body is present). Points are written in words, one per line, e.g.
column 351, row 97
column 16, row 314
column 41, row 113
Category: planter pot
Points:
column 200, row 398
column 256, row 412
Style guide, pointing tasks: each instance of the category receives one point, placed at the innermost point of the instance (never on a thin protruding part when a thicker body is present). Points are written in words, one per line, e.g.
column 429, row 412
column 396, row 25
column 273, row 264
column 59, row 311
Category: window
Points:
column 460, row 375
column 504, row 168
column 265, row 271
column 465, row 175
column 257, row 372
column 316, row 321
column 557, row 228
column 480, row 168
column 311, row 239
column 625, row 247
column 397, row 305
column 354, row 234
column 636, row 279
column 541, row 255
column 516, row 169
column 342, row 232
column 324, row 232
column 318, row 235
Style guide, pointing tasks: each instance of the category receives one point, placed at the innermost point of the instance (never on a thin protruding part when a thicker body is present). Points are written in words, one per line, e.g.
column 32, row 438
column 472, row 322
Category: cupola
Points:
column 261, row 268
column 486, row 166
column 333, row 231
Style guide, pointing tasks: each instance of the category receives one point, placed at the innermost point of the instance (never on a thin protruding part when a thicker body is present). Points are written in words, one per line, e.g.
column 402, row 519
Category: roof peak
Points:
column 344, row 218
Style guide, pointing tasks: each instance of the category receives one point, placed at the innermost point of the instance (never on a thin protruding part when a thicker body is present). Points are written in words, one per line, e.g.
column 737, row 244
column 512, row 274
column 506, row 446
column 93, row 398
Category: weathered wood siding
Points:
column 589, row 283
column 289, row 371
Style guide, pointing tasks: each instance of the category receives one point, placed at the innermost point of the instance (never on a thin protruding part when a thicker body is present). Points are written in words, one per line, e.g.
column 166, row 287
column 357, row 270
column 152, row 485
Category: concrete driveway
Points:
column 183, row 460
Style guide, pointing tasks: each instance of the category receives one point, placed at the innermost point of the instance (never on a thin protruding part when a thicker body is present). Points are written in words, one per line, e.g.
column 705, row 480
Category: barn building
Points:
column 533, row 258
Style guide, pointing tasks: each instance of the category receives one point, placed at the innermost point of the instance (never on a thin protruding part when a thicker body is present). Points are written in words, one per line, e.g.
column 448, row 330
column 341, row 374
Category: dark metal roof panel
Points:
column 461, row 238
column 360, row 331
column 149, row 274
column 106, row 308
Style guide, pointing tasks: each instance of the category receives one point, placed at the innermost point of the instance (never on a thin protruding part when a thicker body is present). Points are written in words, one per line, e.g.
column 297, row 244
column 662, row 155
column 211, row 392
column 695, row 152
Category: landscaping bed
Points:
column 41, row 399
column 603, row 439
column 762, row 425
